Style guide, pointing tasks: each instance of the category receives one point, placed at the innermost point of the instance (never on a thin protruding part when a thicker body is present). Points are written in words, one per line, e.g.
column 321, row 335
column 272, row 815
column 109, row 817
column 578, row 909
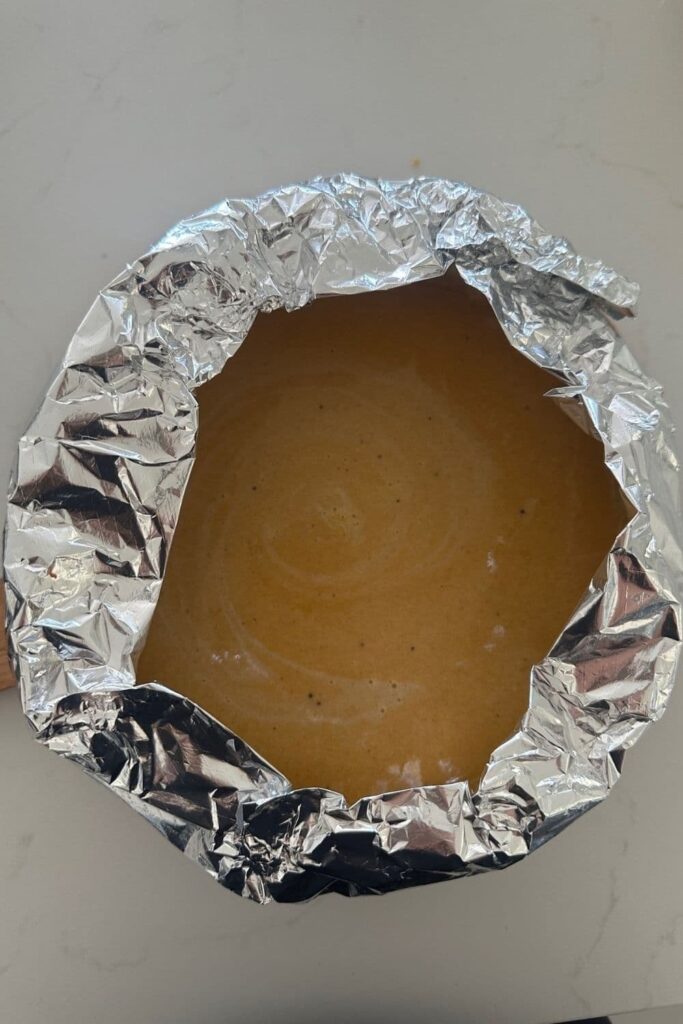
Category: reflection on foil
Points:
column 97, row 492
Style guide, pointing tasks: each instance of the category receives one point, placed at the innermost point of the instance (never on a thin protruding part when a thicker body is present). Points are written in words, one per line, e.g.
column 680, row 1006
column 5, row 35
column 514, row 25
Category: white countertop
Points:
column 115, row 121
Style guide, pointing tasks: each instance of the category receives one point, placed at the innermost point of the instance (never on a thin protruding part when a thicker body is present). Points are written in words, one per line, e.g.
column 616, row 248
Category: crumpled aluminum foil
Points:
column 97, row 492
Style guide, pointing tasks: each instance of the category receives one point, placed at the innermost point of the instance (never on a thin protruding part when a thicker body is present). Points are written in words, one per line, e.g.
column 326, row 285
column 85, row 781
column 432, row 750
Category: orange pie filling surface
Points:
column 387, row 524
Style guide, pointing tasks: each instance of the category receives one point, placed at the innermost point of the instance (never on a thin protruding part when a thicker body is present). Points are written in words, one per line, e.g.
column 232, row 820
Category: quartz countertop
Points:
column 116, row 121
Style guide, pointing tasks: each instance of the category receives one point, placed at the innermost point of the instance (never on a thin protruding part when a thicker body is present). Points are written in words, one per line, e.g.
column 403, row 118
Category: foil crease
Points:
column 98, row 487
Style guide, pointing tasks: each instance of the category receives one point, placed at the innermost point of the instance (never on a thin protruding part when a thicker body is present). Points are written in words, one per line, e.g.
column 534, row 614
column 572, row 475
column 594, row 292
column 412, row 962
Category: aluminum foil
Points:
column 97, row 492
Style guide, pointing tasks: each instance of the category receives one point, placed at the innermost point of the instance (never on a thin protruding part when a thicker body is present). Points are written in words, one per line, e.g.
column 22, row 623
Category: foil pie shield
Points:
column 98, row 487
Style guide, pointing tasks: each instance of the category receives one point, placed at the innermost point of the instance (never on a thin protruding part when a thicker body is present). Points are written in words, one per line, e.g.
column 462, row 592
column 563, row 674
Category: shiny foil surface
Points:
column 97, row 492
